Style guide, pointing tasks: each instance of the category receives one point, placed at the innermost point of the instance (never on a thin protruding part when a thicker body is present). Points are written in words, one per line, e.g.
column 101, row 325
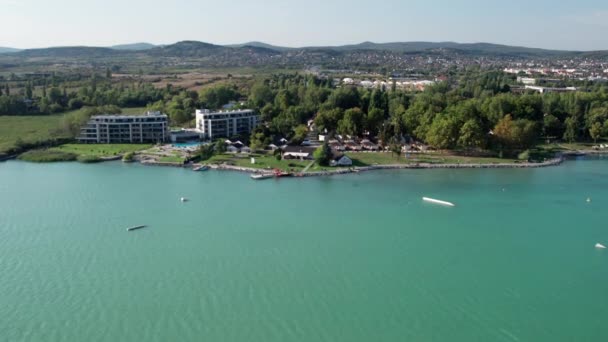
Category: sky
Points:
column 580, row 25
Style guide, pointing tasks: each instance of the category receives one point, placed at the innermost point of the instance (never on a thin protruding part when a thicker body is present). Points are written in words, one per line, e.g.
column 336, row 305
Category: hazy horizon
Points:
column 544, row 24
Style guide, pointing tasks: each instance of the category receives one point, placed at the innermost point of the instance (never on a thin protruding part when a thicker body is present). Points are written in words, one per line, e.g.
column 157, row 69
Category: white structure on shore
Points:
column 225, row 124
column 151, row 127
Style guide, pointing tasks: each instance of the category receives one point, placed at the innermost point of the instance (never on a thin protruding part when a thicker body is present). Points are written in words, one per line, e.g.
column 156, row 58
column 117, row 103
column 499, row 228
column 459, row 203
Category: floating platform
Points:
column 436, row 201
column 262, row 176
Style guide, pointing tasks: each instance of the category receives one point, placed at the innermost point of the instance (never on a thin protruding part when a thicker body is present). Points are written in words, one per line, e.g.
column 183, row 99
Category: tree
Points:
column 216, row 97
column 258, row 140
column 443, row 133
column 205, row 151
column 471, row 134
column 395, row 149
column 28, row 90
column 300, row 133
column 352, row 123
column 327, row 119
column 323, row 154
column 595, row 131
column 570, row 134
column 374, row 120
column 220, row 146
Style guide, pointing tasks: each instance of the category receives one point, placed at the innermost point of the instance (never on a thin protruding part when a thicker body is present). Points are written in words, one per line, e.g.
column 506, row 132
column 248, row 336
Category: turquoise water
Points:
column 187, row 144
column 345, row 258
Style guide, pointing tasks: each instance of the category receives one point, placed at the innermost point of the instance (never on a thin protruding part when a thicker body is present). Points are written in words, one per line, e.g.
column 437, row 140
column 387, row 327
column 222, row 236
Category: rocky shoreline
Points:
column 548, row 163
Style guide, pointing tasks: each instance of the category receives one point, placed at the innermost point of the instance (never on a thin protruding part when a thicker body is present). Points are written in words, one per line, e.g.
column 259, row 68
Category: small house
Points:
column 341, row 160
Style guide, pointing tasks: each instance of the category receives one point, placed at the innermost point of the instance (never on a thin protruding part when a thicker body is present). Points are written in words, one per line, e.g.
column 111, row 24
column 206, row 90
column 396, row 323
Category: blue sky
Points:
column 581, row 25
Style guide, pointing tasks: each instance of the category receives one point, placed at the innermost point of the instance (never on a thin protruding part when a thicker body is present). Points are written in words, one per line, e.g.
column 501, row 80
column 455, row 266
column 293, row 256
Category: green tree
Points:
column 220, row 146
column 570, row 134
column 374, row 120
column 395, row 149
column 323, row 154
column 595, row 131
column 352, row 123
column 206, row 151
column 443, row 133
column 300, row 133
column 259, row 140
column 471, row 134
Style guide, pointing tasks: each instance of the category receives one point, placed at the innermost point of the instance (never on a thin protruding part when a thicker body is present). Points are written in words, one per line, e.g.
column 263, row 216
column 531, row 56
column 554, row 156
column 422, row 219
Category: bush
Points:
column 129, row 157
column 88, row 159
column 525, row 155
column 47, row 156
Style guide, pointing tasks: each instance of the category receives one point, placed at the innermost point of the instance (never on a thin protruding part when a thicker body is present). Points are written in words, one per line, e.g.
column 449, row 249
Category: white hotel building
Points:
column 152, row 127
column 226, row 124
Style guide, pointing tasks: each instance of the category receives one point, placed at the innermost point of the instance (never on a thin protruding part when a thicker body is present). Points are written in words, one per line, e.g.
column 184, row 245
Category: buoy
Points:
column 588, row 200
column 184, row 199
column 600, row 246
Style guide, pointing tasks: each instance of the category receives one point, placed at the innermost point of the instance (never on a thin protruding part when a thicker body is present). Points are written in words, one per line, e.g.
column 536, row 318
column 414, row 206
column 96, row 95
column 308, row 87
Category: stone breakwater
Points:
column 547, row 163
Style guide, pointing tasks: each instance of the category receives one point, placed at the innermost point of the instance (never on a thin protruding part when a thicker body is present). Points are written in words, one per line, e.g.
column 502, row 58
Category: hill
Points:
column 262, row 45
column 134, row 46
column 69, row 51
column 8, row 50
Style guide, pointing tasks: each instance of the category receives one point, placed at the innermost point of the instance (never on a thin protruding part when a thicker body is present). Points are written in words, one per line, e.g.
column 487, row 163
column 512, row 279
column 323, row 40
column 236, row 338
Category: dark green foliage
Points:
column 323, row 154
column 47, row 156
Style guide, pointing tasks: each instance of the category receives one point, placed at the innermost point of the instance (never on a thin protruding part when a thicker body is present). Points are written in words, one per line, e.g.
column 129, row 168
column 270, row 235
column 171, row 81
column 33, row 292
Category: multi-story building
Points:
column 151, row 127
column 226, row 124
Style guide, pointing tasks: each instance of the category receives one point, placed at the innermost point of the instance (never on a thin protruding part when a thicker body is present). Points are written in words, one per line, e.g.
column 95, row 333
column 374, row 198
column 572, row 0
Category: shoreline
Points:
column 558, row 160
column 552, row 162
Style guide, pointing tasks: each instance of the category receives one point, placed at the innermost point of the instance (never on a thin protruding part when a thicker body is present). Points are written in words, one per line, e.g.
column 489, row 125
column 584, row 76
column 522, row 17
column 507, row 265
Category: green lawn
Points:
column 101, row 150
column 261, row 162
column 30, row 129
column 37, row 128
column 366, row 159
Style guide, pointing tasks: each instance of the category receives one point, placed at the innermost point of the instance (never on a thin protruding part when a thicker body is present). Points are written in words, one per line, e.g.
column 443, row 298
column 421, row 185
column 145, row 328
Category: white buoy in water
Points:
column 589, row 200
column 600, row 246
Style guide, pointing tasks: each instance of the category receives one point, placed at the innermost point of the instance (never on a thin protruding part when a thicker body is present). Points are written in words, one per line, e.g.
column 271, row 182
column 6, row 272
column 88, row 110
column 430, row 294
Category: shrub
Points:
column 47, row 156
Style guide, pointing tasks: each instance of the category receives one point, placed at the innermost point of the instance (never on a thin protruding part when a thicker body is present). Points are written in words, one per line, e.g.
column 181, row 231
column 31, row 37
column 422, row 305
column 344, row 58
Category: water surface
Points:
column 343, row 258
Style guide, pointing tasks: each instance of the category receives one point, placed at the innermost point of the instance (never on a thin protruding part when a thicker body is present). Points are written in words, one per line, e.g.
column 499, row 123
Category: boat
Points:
column 136, row 227
column 600, row 246
column 201, row 168
column 183, row 199
column 261, row 176
column 436, row 201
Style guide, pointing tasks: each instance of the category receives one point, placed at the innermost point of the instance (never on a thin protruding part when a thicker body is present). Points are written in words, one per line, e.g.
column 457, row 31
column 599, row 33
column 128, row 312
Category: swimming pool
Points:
column 187, row 144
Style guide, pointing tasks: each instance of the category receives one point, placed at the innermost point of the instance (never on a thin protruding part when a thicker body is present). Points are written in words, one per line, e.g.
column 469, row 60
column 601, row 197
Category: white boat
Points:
column 262, row 176
column 184, row 199
column 600, row 246
column 436, row 201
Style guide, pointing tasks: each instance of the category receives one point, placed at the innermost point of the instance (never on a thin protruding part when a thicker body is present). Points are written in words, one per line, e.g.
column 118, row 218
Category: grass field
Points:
column 366, row 159
column 37, row 128
column 29, row 129
column 261, row 162
column 100, row 150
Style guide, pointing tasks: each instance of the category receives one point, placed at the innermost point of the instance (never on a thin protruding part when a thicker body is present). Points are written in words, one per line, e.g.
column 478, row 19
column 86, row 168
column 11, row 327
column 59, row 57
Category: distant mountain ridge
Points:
column 8, row 50
column 197, row 49
column 134, row 46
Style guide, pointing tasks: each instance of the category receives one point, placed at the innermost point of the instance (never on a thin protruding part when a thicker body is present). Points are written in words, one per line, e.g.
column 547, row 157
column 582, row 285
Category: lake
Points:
column 343, row 258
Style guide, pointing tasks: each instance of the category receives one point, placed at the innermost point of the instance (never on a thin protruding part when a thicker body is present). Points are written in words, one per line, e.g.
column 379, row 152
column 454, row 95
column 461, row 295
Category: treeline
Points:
column 475, row 110
column 60, row 94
